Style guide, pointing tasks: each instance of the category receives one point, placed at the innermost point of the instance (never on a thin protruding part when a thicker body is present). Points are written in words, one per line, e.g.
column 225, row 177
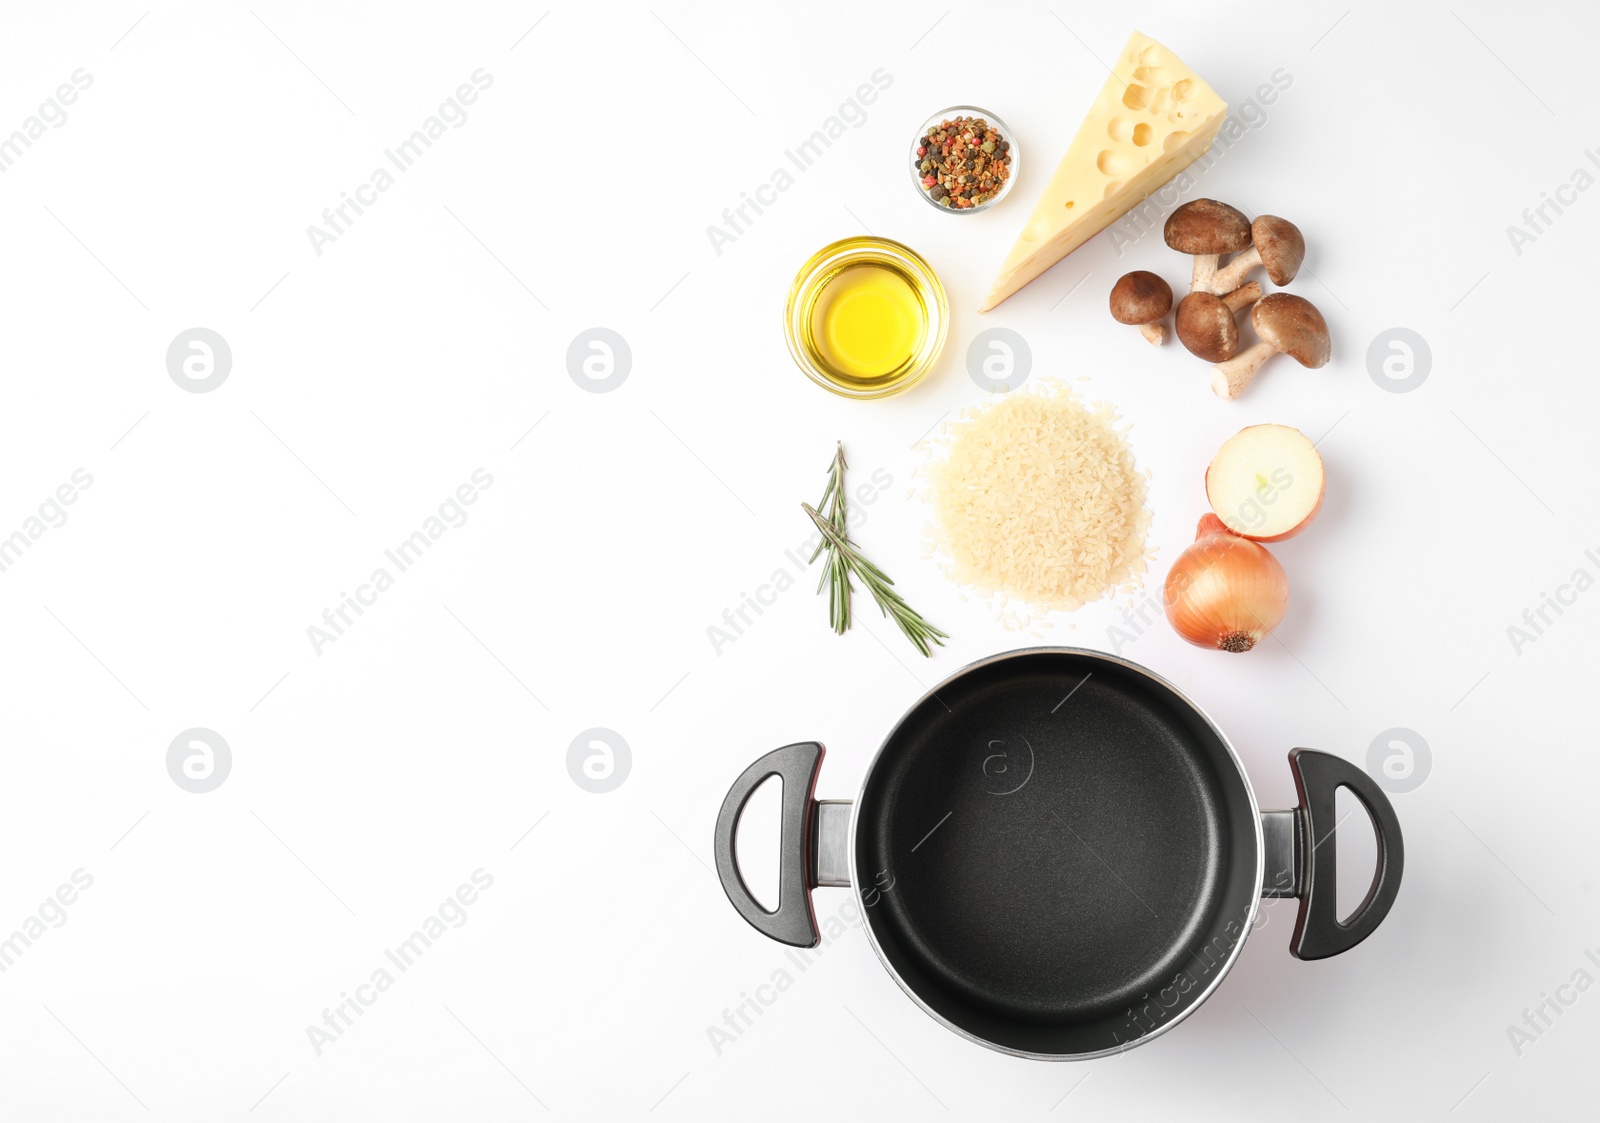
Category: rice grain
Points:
column 1036, row 499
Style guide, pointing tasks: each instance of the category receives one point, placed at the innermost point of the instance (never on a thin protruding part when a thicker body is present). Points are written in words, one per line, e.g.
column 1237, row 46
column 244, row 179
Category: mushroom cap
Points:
column 1205, row 226
column 1140, row 297
column 1205, row 325
column 1293, row 325
column 1281, row 246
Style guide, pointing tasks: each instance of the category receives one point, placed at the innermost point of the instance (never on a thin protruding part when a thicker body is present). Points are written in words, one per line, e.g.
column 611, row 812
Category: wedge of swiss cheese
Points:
column 1153, row 118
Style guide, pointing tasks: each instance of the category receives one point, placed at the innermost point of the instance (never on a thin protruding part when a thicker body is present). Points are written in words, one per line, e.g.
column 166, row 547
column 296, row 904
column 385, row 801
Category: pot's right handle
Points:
column 1303, row 856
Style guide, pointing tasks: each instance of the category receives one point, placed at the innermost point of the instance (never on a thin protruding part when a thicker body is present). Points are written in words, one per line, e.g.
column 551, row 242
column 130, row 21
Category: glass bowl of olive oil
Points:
column 866, row 317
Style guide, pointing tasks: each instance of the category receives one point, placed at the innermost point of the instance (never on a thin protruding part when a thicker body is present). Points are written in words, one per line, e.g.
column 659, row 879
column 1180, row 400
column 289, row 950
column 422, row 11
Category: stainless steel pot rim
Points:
column 1255, row 817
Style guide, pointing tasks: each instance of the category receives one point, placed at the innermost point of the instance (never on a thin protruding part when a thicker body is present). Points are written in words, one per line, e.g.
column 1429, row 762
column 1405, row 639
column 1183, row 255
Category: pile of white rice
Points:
column 1036, row 499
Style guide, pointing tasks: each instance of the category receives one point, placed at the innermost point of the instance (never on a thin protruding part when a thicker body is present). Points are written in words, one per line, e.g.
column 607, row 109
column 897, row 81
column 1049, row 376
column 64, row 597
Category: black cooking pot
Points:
column 1058, row 855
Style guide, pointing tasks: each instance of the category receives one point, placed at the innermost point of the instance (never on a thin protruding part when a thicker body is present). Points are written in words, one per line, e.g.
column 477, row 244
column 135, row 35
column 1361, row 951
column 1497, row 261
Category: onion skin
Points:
column 1225, row 592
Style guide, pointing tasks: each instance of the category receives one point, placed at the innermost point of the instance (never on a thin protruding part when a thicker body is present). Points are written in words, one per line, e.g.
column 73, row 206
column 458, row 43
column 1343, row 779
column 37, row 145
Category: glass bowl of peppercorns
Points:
column 964, row 159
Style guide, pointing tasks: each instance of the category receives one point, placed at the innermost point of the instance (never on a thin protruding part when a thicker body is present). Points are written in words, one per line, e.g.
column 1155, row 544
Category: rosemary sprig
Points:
column 835, row 574
column 833, row 499
column 845, row 561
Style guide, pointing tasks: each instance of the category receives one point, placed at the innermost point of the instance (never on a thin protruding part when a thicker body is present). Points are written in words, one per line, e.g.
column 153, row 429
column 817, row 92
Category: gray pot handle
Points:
column 813, row 846
column 1302, row 855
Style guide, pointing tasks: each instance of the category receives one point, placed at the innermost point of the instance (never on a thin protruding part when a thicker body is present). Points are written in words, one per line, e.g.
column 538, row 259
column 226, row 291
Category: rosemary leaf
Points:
column 845, row 561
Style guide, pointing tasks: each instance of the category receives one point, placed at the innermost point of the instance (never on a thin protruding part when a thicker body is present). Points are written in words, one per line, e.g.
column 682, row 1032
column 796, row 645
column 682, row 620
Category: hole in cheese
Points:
column 1142, row 133
column 1136, row 97
column 1114, row 163
column 1118, row 128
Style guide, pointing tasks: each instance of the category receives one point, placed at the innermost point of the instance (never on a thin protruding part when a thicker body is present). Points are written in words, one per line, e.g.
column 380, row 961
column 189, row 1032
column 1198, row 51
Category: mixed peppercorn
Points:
column 964, row 162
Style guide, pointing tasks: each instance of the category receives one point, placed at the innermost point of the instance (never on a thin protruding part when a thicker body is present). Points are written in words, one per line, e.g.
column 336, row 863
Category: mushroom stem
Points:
column 1237, row 269
column 1229, row 379
column 1155, row 331
column 1243, row 296
column 1205, row 229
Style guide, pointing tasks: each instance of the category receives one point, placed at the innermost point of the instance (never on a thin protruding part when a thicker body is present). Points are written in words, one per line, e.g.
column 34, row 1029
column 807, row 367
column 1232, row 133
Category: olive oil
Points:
column 866, row 318
column 867, row 324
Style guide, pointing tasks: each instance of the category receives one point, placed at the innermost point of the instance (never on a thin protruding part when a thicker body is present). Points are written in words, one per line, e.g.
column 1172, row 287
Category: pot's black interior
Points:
column 1057, row 853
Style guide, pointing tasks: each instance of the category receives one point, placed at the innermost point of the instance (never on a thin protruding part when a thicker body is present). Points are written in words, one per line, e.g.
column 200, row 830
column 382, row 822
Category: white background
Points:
column 370, row 381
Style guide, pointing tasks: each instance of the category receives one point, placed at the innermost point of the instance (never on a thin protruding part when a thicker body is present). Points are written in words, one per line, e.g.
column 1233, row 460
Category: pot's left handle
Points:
column 813, row 846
